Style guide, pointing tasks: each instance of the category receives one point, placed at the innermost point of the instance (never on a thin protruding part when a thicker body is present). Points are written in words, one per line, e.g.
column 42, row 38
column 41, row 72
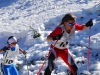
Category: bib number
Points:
column 63, row 44
column 9, row 61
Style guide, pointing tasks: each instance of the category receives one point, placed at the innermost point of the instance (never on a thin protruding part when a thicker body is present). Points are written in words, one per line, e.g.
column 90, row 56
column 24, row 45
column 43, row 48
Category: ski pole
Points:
column 45, row 60
column 88, row 53
column 3, row 63
column 27, row 63
column 43, row 64
column 4, row 60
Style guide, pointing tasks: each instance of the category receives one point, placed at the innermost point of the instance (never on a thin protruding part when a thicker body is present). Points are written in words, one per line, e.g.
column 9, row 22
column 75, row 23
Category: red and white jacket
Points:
column 63, row 43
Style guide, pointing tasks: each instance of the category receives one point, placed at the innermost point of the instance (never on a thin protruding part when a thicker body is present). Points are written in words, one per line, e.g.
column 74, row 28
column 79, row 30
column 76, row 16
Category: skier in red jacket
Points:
column 60, row 39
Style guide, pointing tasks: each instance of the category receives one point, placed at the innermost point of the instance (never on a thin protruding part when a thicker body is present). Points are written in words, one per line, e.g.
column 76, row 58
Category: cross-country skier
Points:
column 10, row 52
column 60, row 39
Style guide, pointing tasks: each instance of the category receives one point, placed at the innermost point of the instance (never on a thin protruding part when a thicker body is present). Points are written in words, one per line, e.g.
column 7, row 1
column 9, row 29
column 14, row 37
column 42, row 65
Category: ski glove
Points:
column 58, row 37
column 24, row 52
column 89, row 23
column 5, row 48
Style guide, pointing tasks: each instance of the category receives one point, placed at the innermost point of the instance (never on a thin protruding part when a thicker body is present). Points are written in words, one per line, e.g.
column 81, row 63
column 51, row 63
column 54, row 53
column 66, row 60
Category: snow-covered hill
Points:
column 16, row 17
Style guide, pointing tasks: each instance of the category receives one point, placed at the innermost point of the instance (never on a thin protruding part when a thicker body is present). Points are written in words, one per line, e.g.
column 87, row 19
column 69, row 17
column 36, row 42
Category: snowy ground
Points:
column 17, row 15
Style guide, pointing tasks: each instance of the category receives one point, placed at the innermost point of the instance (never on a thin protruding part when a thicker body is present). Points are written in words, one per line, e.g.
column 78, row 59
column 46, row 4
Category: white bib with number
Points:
column 63, row 43
column 10, row 56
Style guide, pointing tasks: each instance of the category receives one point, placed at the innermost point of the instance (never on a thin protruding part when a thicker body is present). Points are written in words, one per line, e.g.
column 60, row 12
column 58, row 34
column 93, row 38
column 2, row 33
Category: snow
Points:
column 16, row 17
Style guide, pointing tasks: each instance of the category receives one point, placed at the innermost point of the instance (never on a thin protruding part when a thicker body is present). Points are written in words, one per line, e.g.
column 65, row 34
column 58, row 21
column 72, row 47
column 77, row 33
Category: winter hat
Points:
column 11, row 39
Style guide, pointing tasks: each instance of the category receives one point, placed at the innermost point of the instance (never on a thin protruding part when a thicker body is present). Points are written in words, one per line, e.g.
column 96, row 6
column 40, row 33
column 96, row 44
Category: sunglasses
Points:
column 71, row 24
column 14, row 43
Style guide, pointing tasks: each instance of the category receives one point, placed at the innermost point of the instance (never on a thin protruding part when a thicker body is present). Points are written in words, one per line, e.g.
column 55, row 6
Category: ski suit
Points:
column 7, row 64
column 60, row 49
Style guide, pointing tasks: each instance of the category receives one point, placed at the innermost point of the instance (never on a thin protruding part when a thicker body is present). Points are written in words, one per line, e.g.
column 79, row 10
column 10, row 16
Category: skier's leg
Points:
column 71, row 62
column 51, row 63
column 68, row 59
column 13, row 70
column 5, row 70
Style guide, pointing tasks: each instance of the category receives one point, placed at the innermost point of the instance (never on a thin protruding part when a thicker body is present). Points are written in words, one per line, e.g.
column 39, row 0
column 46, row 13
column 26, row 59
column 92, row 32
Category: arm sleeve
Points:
column 20, row 50
column 58, row 30
column 5, row 48
column 78, row 26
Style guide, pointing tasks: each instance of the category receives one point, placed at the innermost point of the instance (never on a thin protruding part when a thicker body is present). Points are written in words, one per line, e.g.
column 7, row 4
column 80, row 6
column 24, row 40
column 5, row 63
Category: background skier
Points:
column 10, row 53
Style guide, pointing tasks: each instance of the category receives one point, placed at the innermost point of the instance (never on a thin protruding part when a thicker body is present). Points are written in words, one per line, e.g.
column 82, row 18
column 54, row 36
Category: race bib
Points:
column 63, row 44
column 8, row 61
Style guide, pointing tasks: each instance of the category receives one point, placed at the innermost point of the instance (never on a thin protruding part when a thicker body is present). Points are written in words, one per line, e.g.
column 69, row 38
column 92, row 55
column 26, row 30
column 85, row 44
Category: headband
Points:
column 11, row 40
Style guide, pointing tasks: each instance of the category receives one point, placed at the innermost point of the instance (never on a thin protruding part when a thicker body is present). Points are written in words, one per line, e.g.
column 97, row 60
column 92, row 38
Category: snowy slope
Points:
column 17, row 15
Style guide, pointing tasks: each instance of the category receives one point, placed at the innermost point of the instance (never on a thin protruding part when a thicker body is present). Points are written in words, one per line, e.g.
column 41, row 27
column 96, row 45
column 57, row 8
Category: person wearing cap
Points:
column 10, row 53
column 60, row 38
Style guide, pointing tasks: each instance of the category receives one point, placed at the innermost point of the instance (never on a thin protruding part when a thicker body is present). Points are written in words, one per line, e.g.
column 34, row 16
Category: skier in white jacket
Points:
column 10, row 52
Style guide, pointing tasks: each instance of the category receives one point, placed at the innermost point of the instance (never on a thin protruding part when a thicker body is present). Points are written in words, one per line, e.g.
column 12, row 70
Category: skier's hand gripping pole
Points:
column 88, row 53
